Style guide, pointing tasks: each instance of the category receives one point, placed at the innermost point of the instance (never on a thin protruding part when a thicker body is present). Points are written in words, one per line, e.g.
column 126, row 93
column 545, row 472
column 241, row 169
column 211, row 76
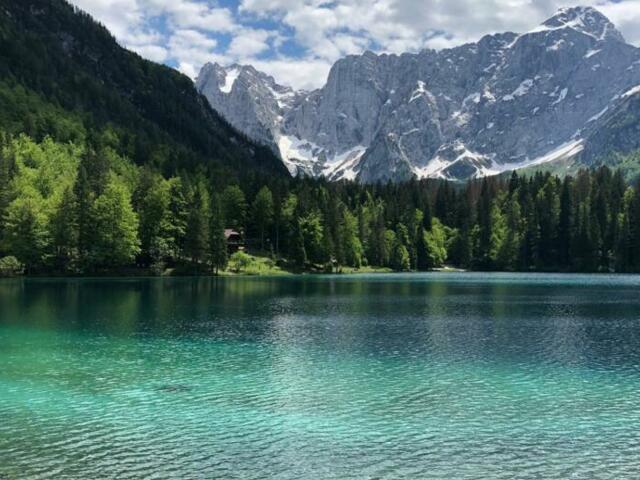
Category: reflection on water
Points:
column 404, row 376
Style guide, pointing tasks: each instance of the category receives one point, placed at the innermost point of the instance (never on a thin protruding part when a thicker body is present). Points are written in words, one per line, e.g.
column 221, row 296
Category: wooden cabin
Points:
column 235, row 242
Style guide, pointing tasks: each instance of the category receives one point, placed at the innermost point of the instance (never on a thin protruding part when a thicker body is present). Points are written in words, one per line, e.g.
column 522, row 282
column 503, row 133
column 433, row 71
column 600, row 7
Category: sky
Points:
column 297, row 41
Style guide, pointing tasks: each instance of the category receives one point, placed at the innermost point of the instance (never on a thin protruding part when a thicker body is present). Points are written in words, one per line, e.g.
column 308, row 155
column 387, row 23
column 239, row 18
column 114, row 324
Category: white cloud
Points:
column 196, row 31
column 191, row 49
column 626, row 16
column 189, row 14
column 249, row 43
column 154, row 53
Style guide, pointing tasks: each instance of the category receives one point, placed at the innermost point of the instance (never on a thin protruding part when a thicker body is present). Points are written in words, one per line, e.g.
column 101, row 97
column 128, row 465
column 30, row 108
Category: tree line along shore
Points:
column 85, row 209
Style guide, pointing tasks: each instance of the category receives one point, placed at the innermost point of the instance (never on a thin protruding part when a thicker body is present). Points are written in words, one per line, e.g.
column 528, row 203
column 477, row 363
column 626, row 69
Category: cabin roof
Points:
column 229, row 232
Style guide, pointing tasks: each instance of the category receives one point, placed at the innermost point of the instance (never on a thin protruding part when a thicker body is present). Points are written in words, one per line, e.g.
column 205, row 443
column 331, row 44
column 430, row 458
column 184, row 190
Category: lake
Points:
column 439, row 376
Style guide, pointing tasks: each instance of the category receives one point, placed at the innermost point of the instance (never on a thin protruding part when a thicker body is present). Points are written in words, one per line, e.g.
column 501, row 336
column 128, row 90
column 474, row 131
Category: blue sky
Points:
column 297, row 41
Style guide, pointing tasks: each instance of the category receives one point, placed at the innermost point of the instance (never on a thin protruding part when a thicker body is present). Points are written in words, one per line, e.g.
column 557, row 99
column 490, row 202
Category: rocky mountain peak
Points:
column 586, row 20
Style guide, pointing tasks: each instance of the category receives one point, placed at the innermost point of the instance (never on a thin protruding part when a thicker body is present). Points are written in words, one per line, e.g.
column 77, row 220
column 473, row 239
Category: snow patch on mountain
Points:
column 633, row 91
column 230, row 79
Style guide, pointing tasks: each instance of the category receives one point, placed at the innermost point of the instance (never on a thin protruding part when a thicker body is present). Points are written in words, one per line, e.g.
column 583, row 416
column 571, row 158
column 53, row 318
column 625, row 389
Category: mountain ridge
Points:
column 507, row 101
column 62, row 56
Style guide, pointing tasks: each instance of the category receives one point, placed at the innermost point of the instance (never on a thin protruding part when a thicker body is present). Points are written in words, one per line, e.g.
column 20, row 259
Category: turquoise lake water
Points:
column 436, row 376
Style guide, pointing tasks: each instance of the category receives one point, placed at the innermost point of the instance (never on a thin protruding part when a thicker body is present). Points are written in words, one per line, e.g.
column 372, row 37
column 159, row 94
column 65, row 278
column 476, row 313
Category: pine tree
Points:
column 634, row 237
column 219, row 256
column 565, row 225
column 234, row 207
column 178, row 213
column 423, row 255
column 197, row 231
column 507, row 255
column 262, row 209
column 548, row 208
column 352, row 248
column 483, row 252
column 299, row 254
column 84, row 203
column 63, row 230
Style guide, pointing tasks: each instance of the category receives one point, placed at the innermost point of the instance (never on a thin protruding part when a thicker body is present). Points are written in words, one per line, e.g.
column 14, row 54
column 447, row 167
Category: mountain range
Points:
column 562, row 95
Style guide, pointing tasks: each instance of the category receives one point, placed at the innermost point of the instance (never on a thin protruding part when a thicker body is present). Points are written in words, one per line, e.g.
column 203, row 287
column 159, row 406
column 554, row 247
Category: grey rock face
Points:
column 250, row 100
column 505, row 102
column 616, row 133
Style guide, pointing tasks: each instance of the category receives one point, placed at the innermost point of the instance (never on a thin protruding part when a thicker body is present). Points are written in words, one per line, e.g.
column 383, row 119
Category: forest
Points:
column 83, row 209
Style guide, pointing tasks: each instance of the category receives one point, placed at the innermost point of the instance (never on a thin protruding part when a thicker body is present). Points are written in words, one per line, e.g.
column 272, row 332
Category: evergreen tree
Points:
column 299, row 254
column 262, row 209
column 313, row 233
column 84, row 206
column 352, row 248
column 509, row 249
column 634, row 236
column 548, row 208
column 423, row 254
column 197, row 230
column 63, row 231
column 484, row 234
column 218, row 244
column 565, row 225
column 234, row 207
column 178, row 213
column 498, row 230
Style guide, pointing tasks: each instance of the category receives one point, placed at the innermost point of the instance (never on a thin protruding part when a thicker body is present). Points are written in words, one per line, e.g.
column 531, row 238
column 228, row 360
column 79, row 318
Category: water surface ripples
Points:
column 456, row 376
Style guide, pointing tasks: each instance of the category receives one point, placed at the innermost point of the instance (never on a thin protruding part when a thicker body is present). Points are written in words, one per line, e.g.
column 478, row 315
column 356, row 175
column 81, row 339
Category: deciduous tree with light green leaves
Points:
column 116, row 226
column 25, row 230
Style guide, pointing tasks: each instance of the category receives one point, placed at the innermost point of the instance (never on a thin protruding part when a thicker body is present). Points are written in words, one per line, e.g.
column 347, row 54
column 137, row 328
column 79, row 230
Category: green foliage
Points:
column 348, row 238
column 508, row 233
column 63, row 231
column 239, row 262
column 218, row 243
column 116, row 241
column 400, row 260
column 151, row 199
column 197, row 228
column 313, row 234
column 299, row 253
column 234, row 207
column 436, row 239
column 25, row 231
column 10, row 267
column 262, row 209
column 67, row 208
